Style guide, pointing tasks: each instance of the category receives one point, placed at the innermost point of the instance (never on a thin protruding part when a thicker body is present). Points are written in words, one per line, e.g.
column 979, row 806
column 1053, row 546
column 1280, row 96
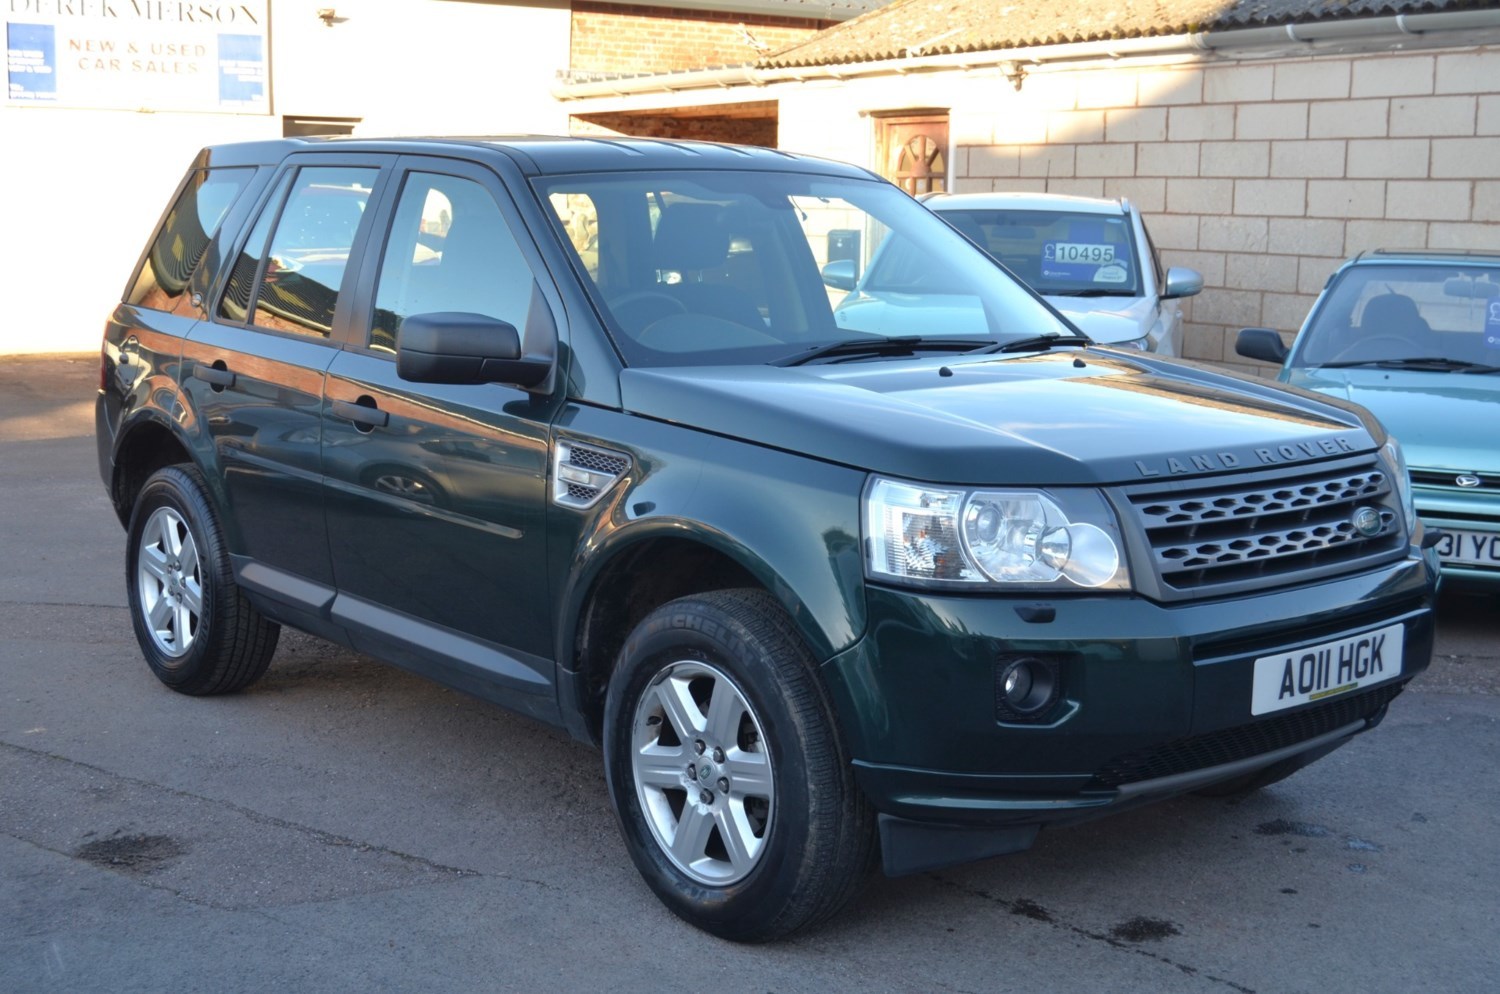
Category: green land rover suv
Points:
column 592, row 429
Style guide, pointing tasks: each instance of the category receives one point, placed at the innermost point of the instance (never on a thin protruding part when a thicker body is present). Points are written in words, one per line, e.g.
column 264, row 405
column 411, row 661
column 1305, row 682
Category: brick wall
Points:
column 629, row 39
column 739, row 130
column 1261, row 175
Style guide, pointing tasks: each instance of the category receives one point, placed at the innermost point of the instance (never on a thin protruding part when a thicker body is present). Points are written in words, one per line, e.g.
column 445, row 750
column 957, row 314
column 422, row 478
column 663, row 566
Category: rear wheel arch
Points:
column 145, row 447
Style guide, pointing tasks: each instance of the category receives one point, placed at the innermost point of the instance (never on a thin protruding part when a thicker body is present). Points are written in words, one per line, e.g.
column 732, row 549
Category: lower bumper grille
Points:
column 1198, row 752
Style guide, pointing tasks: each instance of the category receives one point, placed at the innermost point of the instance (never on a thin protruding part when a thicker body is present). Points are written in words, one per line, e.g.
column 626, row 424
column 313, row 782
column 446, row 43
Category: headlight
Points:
column 1391, row 453
column 935, row 536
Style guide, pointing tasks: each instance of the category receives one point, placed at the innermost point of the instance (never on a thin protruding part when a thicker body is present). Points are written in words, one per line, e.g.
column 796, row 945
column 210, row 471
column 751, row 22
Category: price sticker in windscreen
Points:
column 1085, row 252
column 1492, row 325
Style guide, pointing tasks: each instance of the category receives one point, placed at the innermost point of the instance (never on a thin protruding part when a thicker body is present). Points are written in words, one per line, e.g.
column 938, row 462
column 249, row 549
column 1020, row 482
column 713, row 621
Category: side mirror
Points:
column 1261, row 343
column 1182, row 282
column 839, row 274
column 459, row 347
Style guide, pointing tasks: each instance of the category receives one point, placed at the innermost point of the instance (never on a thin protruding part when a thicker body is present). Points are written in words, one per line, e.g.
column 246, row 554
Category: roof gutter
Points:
column 1306, row 37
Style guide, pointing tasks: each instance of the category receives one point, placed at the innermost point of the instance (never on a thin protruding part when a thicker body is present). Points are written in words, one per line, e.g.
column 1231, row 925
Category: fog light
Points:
column 1025, row 688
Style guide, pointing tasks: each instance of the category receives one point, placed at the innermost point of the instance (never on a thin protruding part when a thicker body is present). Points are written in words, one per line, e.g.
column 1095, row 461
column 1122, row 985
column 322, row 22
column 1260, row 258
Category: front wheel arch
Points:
column 632, row 583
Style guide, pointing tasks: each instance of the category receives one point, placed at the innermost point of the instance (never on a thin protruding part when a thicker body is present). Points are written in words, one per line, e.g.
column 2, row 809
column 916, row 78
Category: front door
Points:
column 437, row 494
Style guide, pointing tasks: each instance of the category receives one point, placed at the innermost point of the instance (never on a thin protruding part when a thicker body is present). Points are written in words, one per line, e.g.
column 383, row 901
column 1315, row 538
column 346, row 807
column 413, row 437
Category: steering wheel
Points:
column 639, row 308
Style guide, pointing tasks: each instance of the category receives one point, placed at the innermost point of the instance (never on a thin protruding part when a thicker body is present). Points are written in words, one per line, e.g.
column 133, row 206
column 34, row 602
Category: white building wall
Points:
column 81, row 189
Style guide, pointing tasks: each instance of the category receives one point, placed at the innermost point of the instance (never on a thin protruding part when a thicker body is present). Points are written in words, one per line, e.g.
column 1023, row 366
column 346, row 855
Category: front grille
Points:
column 1448, row 479
column 1199, row 752
column 1216, row 535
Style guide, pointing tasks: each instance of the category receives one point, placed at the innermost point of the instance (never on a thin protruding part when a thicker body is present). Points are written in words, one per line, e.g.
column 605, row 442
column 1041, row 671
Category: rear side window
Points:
column 449, row 250
column 291, row 283
column 184, row 236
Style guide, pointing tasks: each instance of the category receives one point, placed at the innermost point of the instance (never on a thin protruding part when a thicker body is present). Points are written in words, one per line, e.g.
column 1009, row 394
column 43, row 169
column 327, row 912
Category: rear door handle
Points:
column 369, row 417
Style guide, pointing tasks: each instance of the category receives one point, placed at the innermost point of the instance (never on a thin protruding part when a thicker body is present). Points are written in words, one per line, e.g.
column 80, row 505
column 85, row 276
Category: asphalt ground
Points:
column 343, row 826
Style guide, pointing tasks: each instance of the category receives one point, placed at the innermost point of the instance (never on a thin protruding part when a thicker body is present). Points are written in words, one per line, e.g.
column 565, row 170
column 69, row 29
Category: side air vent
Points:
column 581, row 473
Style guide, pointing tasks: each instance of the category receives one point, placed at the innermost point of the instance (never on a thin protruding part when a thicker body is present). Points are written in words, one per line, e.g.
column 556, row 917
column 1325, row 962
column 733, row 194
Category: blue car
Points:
column 1414, row 336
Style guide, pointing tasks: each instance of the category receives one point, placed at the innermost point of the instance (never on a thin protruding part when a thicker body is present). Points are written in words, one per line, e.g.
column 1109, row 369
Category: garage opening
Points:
column 740, row 124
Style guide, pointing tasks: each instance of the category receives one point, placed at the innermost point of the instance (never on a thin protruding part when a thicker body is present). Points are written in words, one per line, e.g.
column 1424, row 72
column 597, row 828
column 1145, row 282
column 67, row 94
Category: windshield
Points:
column 700, row 267
column 1390, row 313
column 1062, row 253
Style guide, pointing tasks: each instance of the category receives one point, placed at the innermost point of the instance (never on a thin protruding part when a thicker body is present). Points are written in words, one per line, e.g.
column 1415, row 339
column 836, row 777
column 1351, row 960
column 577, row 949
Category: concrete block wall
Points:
column 1261, row 175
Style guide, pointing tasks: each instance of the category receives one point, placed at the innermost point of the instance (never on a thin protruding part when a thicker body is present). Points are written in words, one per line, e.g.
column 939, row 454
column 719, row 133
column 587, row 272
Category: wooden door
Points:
column 913, row 151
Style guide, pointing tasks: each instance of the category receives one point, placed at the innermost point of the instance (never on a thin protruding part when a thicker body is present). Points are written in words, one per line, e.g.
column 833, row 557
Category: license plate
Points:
column 1318, row 672
column 1469, row 548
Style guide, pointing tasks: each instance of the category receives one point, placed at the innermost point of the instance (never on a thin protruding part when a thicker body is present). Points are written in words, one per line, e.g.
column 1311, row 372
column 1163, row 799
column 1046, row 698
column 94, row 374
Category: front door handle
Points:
column 362, row 415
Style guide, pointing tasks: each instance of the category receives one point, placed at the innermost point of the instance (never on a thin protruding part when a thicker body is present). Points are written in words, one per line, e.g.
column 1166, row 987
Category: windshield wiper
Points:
column 1433, row 364
column 1038, row 343
column 1093, row 291
column 892, row 345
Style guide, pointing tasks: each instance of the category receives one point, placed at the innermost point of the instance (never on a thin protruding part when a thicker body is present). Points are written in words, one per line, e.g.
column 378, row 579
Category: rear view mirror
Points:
column 1464, row 286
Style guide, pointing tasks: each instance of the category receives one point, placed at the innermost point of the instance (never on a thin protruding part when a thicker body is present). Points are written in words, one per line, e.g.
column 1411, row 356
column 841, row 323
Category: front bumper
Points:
column 1155, row 701
column 1473, row 514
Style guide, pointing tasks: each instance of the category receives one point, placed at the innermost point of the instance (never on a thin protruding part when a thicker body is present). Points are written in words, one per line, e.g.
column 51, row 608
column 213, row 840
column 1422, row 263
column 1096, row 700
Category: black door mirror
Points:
column 458, row 347
column 1261, row 343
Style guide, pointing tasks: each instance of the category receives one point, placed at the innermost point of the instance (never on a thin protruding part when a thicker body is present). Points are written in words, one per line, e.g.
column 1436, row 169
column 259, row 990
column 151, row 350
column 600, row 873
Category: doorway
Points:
column 912, row 150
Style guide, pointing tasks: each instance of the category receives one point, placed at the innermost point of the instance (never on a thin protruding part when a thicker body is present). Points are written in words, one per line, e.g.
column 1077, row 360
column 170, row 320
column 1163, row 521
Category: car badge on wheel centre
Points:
column 1367, row 521
column 1467, row 480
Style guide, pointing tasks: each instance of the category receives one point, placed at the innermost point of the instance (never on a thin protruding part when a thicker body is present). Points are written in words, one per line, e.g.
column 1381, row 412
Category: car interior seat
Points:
column 1393, row 314
column 693, row 240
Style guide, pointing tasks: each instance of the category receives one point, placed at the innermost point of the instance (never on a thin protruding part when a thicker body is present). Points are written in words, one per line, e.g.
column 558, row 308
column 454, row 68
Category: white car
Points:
column 1091, row 258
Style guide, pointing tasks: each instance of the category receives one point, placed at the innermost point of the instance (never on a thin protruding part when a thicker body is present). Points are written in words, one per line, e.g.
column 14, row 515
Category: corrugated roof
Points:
column 907, row 28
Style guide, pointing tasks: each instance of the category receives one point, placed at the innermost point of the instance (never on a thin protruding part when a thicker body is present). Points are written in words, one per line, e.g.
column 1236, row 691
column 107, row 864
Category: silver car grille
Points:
column 1219, row 535
column 581, row 474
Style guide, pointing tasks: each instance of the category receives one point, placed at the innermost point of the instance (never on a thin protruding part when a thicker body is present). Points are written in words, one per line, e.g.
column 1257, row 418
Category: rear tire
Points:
column 735, row 797
column 198, row 632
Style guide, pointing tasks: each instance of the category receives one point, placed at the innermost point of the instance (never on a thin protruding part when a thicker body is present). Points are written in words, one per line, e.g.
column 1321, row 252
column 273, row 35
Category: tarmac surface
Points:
column 343, row 826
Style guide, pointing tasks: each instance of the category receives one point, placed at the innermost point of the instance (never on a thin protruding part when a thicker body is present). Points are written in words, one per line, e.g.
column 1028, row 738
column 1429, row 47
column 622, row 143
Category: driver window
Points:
column 449, row 249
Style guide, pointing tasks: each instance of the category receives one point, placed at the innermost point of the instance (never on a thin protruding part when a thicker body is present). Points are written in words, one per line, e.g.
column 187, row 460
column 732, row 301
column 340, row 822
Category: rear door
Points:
column 143, row 340
column 437, row 493
column 253, row 374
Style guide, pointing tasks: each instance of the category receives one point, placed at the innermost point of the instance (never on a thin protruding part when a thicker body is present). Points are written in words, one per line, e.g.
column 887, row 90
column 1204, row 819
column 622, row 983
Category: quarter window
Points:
column 449, row 250
column 185, row 236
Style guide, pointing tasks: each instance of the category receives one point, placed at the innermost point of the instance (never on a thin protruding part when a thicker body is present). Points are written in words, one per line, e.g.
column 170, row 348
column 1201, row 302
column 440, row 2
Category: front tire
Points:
column 735, row 797
column 198, row 632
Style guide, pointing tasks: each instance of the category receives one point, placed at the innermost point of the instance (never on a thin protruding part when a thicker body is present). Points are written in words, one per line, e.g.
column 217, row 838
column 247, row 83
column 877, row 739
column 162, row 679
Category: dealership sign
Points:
column 150, row 55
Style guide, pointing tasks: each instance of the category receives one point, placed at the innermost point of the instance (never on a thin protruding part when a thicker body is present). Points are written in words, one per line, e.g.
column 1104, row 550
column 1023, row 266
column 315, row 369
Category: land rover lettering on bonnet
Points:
column 606, row 433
